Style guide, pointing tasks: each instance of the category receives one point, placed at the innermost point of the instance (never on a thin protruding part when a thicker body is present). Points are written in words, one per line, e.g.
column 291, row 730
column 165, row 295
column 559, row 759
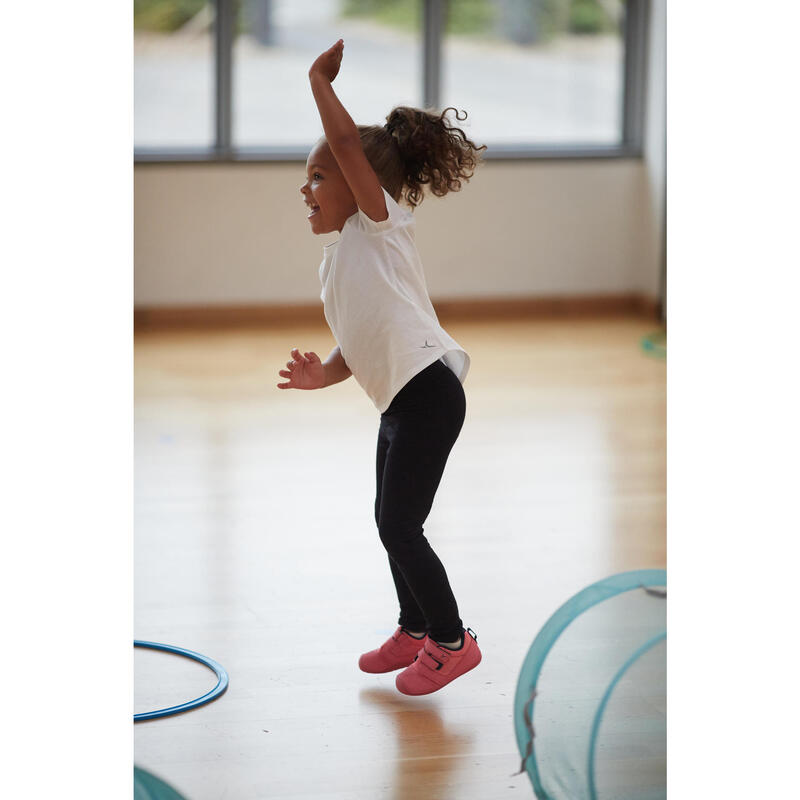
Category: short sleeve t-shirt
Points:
column 377, row 306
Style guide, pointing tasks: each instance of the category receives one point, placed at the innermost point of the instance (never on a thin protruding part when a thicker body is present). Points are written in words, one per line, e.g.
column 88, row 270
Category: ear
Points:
column 360, row 177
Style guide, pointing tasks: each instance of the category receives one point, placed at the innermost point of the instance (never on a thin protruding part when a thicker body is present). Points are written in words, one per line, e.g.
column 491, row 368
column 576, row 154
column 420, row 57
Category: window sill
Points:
column 253, row 155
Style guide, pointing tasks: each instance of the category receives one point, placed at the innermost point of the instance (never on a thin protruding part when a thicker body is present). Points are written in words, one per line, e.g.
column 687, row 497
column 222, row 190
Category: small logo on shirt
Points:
column 428, row 345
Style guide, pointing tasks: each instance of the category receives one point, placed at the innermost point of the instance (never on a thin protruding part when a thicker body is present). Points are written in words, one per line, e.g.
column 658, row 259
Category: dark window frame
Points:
column 636, row 26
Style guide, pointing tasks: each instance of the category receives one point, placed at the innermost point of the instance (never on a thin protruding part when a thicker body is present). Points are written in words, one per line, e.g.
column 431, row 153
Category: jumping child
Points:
column 389, row 337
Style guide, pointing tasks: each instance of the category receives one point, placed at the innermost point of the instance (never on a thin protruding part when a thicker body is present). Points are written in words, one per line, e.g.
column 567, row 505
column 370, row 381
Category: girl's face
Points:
column 326, row 191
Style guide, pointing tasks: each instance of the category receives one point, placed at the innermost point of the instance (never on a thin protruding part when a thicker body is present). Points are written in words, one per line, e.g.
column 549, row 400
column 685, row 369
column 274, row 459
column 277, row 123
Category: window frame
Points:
column 635, row 70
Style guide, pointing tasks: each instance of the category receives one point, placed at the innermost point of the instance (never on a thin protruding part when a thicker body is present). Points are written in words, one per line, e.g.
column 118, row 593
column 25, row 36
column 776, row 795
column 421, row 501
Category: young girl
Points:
column 377, row 306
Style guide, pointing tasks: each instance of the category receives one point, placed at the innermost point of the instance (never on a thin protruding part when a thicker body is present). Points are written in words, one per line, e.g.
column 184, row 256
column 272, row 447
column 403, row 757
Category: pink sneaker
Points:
column 436, row 666
column 397, row 651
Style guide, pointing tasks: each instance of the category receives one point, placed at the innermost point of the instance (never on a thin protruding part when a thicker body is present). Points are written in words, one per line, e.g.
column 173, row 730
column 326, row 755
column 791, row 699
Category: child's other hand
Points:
column 329, row 62
column 303, row 372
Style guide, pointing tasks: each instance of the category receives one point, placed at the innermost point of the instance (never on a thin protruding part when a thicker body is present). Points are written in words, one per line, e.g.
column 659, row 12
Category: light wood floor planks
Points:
column 255, row 544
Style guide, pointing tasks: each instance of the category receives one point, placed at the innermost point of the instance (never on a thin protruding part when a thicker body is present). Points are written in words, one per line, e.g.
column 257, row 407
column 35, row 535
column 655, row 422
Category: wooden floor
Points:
column 255, row 545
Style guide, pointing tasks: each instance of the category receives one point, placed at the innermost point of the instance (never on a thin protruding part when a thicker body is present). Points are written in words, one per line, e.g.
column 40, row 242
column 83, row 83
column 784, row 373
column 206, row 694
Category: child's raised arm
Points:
column 343, row 137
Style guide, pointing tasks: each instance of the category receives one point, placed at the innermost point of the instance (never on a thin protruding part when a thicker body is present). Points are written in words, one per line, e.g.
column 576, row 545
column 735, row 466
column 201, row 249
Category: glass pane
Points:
column 536, row 71
column 278, row 41
column 173, row 68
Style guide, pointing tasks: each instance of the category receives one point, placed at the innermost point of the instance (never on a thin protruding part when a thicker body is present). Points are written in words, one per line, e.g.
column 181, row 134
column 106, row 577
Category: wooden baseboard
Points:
column 548, row 307
column 473, row 309
column 227, row 316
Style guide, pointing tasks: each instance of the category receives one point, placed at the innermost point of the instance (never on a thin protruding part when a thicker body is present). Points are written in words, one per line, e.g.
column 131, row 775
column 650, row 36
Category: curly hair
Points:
column 418, row 147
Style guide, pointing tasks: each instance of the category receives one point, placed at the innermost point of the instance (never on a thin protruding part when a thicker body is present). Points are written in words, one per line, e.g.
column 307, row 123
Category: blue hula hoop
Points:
column 219, row 689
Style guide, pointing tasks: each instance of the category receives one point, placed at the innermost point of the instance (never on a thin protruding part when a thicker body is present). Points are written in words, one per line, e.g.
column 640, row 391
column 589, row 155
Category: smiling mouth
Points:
column 314, row 210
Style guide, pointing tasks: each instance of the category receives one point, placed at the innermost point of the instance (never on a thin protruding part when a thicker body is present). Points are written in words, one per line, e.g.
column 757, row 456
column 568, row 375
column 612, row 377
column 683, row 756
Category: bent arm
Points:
column 335, row 368
column 336, row 122
column 344, row 141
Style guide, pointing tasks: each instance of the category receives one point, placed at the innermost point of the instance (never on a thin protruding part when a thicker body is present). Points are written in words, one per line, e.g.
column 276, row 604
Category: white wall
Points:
column 207, row 234
column 237, row 233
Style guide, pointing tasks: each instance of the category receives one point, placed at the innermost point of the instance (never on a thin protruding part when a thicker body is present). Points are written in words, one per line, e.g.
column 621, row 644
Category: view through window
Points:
column 528, row 72
column 536, row 73
column 278, row 42
column 173, row 68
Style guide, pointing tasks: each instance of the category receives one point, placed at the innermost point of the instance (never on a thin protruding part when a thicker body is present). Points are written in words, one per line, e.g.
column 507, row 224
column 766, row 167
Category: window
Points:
column 278, row 41
column 536, row 73
column 227, row 80
column 173, row 56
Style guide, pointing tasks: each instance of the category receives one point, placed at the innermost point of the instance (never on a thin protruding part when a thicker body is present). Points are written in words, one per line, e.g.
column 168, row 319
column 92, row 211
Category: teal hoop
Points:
column 544, row 641
column 147, row 786
column 655, row 344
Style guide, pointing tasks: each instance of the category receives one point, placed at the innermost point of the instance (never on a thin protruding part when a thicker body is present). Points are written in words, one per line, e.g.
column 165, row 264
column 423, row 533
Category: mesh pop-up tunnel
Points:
column 590, row 705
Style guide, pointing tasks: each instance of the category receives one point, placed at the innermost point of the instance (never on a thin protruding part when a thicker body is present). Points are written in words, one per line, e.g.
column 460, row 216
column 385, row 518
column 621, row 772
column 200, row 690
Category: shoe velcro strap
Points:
column 431, row 661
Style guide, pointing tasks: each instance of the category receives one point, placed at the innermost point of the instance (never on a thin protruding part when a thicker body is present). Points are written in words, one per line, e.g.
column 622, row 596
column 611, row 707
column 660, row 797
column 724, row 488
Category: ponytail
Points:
column 420, row 147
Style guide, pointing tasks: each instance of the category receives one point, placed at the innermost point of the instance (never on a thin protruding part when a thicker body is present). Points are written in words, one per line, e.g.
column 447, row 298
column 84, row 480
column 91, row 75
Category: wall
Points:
column 208, row 234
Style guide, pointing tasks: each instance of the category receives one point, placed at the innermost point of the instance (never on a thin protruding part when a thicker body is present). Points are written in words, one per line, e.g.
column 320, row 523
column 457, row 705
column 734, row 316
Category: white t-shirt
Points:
column 377, row 306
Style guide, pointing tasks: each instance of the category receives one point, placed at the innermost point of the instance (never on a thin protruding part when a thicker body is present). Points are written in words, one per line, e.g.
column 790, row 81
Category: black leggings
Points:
column 417, row 432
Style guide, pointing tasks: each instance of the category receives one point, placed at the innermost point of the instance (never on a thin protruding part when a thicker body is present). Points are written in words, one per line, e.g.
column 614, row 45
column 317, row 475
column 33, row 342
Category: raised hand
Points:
column 303, row 371
column 329, row 62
